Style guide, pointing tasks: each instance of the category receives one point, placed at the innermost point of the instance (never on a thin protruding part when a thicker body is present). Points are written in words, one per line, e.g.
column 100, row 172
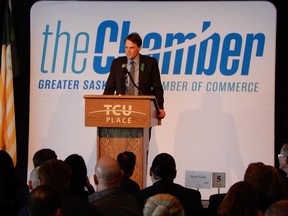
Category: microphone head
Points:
column 124, row 68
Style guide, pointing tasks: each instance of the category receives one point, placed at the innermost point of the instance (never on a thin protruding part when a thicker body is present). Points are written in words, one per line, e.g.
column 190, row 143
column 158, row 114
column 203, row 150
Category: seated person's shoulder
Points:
column 189, row 191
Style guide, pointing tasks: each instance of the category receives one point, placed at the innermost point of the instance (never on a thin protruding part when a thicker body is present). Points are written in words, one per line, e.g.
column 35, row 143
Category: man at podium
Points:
column 135, row 74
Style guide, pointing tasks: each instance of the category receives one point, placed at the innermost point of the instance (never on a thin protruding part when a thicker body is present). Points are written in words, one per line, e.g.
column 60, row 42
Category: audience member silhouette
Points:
column 279, row 208
column 163, row 205
column 79, row 182
column 45, row 200
column 283, row 162
column 259, row 176
column 163, row 172
column 33, row 181
column 267, row 182
column 58, row 173
column 214, row 202
column 240, row 200
column 127, row 161
column 277, row 189
column 111, row 199
column 13, row 192
column 43, row 155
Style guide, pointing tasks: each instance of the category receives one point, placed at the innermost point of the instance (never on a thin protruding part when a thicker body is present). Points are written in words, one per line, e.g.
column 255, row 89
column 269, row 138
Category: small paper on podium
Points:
column 198, row 179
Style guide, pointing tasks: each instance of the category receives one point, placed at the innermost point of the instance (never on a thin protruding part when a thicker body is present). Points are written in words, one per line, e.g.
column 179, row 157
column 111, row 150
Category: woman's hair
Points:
column 79, row 172
column 277, row 189
column 259, row 176
column 240, row 200
column 163, row 205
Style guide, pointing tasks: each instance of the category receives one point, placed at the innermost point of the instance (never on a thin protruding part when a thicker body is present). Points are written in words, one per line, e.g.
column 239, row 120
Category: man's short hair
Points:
column 279, row 208
column 127, row 162
column 34, row 178
column 45, row 200
column 43, row 155
column 164, row 166
column 135, row 38
column 284, row 150
column 55, row 172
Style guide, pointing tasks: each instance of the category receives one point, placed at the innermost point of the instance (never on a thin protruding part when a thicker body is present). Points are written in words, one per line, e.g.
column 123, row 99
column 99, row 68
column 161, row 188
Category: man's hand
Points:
column 162, row 114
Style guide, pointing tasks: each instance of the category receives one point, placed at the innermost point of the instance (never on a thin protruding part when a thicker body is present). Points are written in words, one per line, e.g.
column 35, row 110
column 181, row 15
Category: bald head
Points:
column 107, row 173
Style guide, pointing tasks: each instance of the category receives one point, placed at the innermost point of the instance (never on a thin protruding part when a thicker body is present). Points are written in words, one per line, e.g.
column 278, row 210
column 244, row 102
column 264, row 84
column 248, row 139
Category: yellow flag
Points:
column 7, row 112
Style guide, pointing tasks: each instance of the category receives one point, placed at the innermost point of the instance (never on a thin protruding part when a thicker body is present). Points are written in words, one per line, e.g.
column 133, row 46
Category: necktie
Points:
column 131, row 87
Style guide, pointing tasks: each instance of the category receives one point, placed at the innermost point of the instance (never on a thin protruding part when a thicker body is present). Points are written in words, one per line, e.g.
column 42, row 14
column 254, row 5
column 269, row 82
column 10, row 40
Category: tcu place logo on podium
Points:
column 121, row 111
column 118, row 113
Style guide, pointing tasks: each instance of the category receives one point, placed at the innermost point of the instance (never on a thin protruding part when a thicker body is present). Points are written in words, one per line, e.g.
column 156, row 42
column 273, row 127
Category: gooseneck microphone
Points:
column 126, row 72
column 124, row 69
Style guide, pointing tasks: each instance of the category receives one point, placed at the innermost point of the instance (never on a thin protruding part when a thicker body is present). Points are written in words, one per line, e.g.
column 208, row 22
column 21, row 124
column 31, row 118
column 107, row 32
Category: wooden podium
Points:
column 123, row 123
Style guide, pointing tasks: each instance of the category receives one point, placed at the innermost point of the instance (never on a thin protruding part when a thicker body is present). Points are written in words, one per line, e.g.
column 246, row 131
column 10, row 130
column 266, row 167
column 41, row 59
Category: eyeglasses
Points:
column 281, row 156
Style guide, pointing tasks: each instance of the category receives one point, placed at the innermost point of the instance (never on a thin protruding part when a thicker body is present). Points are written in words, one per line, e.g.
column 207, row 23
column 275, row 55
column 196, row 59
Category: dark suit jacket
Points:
column 214, row 202
column 190, row 198
column 149, row 78
column 114, row 202
column 71, row 206
column 284, row 175
column 75, row 206
column 130, row 185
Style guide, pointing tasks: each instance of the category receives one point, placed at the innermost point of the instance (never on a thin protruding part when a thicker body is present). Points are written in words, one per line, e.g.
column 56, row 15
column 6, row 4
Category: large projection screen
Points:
column 217, row 62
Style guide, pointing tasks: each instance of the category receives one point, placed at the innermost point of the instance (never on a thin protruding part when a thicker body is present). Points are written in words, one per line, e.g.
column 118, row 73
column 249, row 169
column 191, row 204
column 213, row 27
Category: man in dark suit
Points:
column 127, row 161
column 111, row 199
column 46, row 200
column 58, row 173
column 140, row 71
column 283, row 162
column 163, row 172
